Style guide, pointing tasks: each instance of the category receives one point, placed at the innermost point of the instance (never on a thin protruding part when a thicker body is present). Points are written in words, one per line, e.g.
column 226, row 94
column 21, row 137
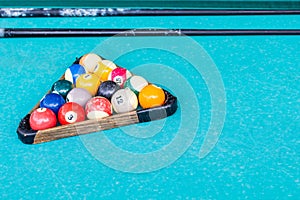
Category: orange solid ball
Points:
column 151, row 96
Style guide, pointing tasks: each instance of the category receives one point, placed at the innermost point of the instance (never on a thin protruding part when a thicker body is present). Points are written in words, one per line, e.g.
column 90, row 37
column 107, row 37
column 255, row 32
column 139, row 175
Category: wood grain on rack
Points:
column 84, row 127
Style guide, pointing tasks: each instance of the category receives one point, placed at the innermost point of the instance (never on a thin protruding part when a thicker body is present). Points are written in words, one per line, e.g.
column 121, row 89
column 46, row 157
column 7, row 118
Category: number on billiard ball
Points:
column 42, row 118
column 119, row 75
column 90, row 82
column 124, row 100
column 70, row 113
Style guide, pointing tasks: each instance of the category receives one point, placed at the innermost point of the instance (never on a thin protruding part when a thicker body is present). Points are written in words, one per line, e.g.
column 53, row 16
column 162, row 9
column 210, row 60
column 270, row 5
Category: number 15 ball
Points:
column 119, row 75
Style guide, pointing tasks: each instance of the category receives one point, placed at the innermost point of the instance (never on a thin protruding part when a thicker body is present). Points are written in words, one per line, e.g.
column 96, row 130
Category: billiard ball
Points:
column 79, row 95
column 73, row 72
column 90, row 82
column 119, row 75
column 124, row 100
column 62, row 87
column 151, row 96
column 107, row 89
column 89, row 61
column 98, row 107
column 42, row 118
column 70, row 113
column 136, row 83
column 104, row 68
column 52, row 101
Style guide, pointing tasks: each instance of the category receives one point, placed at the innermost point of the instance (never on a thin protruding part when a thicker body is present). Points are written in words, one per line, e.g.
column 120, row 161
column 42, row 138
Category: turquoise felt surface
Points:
column 257, row 151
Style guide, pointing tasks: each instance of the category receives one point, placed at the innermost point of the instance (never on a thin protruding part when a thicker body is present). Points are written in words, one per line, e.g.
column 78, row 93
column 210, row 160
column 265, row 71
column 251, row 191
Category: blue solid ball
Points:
column 73, row 72
column 52, row 101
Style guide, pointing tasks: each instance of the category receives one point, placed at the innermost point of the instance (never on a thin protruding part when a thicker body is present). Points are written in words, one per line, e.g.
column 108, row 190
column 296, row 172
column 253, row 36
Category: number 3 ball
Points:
column 52, row 101
column 151, row 96
column 98, row 107
column 70, row 113
column 124, row 100
column 73, row 72
column 42, row 118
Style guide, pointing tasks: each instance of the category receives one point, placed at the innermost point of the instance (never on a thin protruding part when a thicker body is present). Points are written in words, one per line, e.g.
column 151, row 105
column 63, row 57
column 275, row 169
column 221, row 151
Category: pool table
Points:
column 235, row 134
